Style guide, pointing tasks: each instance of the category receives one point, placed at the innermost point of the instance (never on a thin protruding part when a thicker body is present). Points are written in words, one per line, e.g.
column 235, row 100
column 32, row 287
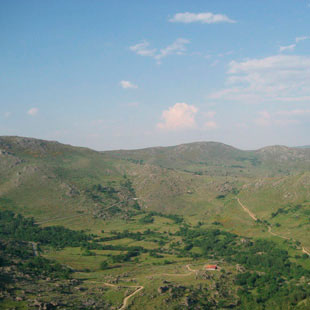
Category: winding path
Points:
column 126, row 299
column 190, row 269
column 277, row 235
column 180, row 274
column 252, row 215
column 140, row 287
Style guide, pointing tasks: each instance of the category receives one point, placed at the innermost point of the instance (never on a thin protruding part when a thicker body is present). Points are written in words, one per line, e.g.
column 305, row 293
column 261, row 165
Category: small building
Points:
column 211, row 267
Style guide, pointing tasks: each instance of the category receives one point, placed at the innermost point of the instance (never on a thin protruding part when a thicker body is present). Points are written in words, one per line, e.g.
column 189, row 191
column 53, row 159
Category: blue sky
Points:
column 131, row 74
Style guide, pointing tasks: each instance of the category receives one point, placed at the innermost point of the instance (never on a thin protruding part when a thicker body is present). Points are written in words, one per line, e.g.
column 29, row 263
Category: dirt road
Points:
column 180, row 274
column 126, row 299
column 140, row 288
column 277, row 235
column 190, row 269
column 306, row 251
column 252, row 215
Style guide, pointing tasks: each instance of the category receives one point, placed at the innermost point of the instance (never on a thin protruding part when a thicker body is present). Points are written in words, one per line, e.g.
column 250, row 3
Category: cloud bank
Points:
column 275, row 79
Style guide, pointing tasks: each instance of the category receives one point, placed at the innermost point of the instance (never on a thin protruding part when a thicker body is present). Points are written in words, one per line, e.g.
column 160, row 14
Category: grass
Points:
column 51, row 183
column 149, row 271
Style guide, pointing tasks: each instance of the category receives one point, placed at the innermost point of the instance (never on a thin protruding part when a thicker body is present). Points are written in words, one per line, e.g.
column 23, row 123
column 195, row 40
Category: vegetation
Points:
column 76, row 223
column 21, row 228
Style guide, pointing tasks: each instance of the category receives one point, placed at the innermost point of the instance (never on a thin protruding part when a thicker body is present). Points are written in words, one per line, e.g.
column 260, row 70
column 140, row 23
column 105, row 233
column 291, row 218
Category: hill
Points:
column 221, row 159
column 304, row 147
column 50, row 180
column 137, row 227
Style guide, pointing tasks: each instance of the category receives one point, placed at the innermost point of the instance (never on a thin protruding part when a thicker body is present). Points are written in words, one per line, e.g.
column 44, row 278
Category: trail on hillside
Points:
column 252, row 215
column 126, row 299
column 306, row 251
column 277, row 235
column 140, row 287
column 190, row 269
column 180, row 274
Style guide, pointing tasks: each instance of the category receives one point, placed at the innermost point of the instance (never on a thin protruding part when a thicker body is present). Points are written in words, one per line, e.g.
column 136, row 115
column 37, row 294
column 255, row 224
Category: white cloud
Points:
column 143, row 49
column 280, row 78
column 291, row 47
column 287, row 48
column 303, row 38
column 127, row 84
column 211, row 125
column 296, row 112
column 180, row 116
column 225, row 54
column 7, row 114
column 178, row 47
column 33, row 111
column 286, row 122
column 210, row 114
column 264, row 119
column 203, row 18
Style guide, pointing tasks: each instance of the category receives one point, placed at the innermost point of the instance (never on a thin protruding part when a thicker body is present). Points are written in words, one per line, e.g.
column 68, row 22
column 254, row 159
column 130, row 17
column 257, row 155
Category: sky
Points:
column 112, row 74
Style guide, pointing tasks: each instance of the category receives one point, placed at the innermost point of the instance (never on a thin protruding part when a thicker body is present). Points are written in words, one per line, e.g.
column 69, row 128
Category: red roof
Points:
column 211, row 266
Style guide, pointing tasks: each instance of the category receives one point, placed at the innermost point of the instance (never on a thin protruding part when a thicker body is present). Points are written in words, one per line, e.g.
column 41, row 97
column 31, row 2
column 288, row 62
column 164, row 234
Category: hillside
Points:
column 220, row 159
column 159, row 214
column 50, row 180
column 304, row 146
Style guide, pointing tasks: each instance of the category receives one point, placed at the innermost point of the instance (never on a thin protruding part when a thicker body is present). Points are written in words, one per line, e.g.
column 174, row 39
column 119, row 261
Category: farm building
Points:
column 211, row 267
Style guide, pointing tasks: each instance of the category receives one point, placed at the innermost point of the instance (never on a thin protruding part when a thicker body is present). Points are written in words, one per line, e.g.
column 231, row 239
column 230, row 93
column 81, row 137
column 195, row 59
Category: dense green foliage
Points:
column 40, row 266
column 21, row 228
column 269, row 281
column 20, row 254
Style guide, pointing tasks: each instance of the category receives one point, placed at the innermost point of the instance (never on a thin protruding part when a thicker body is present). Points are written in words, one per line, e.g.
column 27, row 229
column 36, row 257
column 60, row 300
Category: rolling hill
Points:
column 49, row 180
column 154, row 214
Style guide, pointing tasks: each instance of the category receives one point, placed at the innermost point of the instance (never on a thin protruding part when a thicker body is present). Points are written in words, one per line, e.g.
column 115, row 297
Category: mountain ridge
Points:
column 197, row 143
column 173, row 179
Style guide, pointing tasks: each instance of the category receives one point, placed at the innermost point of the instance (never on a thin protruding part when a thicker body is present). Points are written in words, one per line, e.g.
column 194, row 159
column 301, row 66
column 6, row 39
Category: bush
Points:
column 104, row 265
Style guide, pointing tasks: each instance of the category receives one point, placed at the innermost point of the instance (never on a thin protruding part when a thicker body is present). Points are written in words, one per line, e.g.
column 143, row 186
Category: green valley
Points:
column 81, row 229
